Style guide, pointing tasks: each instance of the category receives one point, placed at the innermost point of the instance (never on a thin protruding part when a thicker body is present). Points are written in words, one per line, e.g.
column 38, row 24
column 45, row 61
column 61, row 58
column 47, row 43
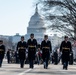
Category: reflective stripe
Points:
column 45, row 48
column 66, row 48
column 1, row 50
column 21, row 48
column 31, row 46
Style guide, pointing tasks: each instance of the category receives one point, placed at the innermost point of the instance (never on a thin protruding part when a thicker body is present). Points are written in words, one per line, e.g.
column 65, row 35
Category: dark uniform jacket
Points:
column 65, row 48
column 21, row 47
column 2, row 51
column 46, row 49
column 32, row 45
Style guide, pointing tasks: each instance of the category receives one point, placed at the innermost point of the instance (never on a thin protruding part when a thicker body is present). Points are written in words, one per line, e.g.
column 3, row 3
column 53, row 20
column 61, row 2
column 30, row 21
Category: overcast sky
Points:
column 15, row 15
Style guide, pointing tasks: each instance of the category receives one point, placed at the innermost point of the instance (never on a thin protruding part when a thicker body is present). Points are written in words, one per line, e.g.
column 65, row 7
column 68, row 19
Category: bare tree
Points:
column 67, row 8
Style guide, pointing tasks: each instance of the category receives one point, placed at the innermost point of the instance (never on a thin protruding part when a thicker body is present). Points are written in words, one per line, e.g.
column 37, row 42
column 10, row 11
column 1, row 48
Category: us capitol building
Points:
column 36, row 26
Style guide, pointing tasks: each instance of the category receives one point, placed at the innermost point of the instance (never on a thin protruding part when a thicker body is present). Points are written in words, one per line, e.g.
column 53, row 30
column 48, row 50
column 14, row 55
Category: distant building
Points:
column 36, row 26
column 16, row 38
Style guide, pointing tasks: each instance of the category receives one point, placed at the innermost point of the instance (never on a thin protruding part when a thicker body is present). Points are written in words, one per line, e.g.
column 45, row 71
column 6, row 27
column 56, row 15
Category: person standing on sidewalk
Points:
column 8, row 55
column 2, row 52
column 39, row 54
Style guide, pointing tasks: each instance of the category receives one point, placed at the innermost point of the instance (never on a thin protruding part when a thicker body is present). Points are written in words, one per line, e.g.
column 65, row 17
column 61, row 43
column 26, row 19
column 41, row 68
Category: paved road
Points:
column 14, row 69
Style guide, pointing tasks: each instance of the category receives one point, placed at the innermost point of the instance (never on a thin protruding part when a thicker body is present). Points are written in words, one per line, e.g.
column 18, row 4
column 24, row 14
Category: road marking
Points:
column 25, row 72
column 22, row 73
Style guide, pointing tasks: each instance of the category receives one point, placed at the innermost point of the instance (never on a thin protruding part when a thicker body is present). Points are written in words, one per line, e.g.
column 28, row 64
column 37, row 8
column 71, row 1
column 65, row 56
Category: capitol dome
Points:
column 36, row 19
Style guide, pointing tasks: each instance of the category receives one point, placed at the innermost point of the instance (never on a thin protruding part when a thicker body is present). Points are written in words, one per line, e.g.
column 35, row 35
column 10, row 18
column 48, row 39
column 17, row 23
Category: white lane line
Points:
column 22, row 73
column 25, row 72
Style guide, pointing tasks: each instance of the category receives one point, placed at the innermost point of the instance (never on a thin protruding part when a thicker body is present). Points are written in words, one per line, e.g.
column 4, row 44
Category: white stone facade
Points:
column 36, row 26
